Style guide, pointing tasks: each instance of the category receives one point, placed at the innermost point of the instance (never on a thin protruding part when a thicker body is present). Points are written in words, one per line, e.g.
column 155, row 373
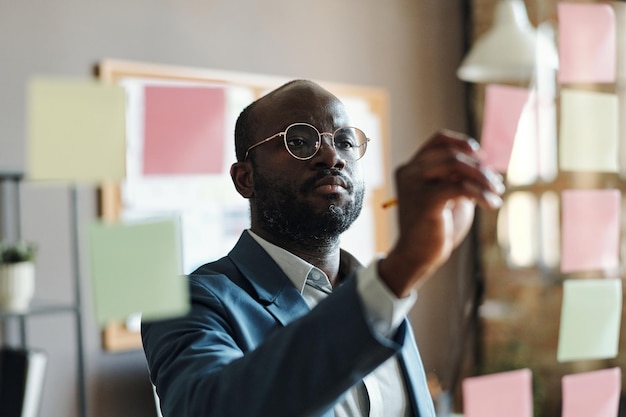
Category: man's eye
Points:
column 296, row 142
column 345, row 143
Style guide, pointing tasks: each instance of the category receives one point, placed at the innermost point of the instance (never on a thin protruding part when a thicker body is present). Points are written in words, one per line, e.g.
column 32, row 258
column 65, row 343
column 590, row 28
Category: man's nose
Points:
column 328, row 153
column 327, row 139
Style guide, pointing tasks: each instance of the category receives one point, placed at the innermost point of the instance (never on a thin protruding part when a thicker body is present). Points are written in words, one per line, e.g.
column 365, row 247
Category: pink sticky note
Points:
column 587, row 43
column 590, row 230
column 184, row 131
column 503, row 109
column 497, row 395
column 592, row 394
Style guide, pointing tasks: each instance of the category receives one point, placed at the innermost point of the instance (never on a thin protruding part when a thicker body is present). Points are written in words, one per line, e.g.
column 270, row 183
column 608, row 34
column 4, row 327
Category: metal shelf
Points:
column 40, row 307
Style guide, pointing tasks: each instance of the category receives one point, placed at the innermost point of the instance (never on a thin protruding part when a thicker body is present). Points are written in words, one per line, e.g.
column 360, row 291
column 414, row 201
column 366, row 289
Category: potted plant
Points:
column 17, row 275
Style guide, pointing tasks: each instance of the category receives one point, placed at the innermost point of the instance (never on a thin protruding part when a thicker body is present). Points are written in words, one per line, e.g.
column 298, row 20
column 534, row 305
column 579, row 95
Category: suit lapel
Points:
column 274, row 289
column 416, row 376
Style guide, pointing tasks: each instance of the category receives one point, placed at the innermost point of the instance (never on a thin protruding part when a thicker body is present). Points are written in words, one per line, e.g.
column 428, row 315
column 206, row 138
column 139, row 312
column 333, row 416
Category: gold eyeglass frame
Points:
column 319, row 143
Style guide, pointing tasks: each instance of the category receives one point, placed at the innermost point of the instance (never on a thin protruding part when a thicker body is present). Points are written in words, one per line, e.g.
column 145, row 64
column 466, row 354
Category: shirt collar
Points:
column 296, row 269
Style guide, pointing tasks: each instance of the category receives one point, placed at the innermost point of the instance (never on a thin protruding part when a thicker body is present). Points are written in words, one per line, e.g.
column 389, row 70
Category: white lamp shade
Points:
column 507, row 52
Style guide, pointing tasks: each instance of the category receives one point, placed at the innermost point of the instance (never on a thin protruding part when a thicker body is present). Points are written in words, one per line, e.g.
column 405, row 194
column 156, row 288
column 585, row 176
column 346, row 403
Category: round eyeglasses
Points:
column 303, row 141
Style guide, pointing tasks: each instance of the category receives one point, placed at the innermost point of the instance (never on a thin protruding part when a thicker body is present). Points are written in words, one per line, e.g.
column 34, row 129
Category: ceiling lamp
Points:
column 508, row 52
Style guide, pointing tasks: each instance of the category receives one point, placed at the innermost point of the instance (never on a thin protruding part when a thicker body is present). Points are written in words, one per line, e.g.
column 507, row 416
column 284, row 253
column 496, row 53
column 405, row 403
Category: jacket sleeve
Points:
column 203, row 363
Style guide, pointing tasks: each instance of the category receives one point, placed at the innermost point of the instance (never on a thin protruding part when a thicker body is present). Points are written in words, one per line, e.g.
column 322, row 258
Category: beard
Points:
column 282, row 212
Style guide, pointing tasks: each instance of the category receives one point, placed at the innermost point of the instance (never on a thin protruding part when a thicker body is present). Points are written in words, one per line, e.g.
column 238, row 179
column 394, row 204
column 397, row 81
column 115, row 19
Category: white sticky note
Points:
column 590, row 319
column 588, row 131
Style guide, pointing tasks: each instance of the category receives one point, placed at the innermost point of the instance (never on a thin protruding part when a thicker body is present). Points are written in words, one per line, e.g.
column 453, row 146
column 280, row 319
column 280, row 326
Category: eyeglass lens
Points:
column 303, row 140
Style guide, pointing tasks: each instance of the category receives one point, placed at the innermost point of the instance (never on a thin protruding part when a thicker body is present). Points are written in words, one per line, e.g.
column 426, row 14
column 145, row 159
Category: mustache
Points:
column 328, row 172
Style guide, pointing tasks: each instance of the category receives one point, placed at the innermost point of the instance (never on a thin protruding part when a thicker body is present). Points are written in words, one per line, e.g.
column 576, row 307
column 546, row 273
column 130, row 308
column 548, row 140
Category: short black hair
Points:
column 244, row 128
column 247, row 123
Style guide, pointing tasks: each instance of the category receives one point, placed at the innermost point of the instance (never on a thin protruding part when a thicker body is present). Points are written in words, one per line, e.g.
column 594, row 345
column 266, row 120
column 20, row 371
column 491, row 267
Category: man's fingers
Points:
column 454, row 168
column 484, row 198
column 450, row 138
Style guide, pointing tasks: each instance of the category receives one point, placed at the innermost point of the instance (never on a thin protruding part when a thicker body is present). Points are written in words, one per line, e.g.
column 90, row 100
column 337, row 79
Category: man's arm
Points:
column 207, row 363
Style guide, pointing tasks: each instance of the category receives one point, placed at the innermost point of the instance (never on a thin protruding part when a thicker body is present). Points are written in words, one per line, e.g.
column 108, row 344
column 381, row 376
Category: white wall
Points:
column 410, row 47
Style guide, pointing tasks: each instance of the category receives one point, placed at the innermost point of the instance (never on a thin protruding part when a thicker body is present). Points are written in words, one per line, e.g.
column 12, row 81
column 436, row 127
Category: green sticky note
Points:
column 76, row 130
column 590, row 319
column 136, row 268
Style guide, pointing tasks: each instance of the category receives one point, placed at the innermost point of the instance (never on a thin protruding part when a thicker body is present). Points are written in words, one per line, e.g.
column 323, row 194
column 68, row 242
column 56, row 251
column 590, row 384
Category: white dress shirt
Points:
column 382, row 393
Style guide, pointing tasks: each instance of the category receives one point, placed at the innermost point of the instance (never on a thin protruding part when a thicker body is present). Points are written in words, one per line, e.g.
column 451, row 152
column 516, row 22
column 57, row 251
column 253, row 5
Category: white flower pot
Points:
column 17, row 286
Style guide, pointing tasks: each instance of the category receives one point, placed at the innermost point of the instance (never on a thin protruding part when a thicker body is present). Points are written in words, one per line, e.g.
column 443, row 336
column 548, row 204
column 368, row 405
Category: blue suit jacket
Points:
column 248, row 344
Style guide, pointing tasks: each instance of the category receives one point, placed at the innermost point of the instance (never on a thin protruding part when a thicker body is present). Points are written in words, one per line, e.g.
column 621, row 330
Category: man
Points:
column 290, row 325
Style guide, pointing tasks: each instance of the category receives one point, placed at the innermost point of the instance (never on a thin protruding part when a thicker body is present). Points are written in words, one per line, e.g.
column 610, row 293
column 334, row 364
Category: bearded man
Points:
column 288, row 324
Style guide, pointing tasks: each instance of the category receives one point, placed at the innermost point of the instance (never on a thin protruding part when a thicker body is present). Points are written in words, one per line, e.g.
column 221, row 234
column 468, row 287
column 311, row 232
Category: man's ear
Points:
column 243, row 178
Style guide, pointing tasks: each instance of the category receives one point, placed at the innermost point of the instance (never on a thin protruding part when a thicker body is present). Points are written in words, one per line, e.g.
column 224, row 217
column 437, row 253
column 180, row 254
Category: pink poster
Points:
column 184, row 130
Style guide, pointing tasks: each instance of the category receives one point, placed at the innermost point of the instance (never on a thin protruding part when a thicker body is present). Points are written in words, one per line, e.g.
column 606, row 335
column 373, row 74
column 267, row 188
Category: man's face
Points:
column 314, row 199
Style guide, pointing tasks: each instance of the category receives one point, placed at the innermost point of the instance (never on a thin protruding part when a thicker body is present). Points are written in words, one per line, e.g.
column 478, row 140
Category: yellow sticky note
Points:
column 590, row 319
column 589, row 131
column 76, row 130
column 136, row 268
